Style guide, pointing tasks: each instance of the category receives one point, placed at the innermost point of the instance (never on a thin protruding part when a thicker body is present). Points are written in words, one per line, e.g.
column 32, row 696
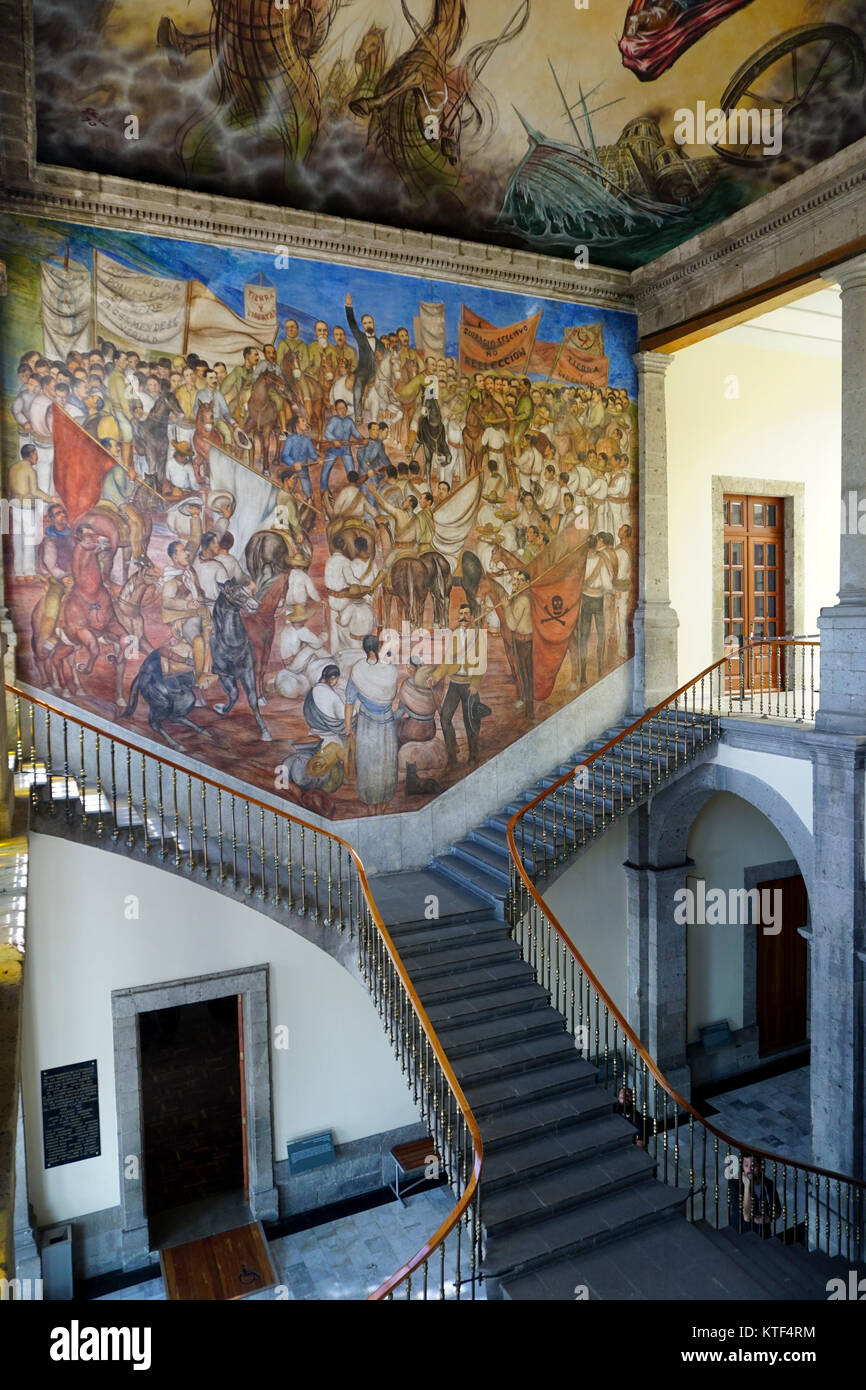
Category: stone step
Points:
column 439, row 935
column 671, row 1261
column 551, row 1195
column 464, row 1039
column 593, row 1223
column 498, row 1063
column 529, row 1121
column 479, row 1008
column 486, row 885
column 784, row 1271
column 491, row 861
column 441, row 988
column 458, row 958
column 488, row 1098
column 528, row 1160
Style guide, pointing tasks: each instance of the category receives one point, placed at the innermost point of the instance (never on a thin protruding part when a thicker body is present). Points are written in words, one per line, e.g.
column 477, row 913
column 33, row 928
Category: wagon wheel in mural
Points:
column 797, row 74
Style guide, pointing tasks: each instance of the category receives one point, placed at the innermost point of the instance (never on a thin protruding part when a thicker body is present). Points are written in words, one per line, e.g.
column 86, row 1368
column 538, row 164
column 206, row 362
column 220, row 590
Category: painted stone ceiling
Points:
column 597, row 130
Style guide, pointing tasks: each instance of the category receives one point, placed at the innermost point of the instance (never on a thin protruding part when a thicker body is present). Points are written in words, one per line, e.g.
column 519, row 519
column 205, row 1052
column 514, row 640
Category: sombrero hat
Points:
column 182, row 447
column 299, row 613
column 216, row 498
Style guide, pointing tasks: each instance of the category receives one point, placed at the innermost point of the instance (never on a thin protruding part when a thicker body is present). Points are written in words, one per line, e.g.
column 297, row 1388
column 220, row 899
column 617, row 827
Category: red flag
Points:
column 582, row 368
column 484, row 348
column 557, row 584
column 543, row 358
column 80, row 464
column 586, row 337
column 473, row 320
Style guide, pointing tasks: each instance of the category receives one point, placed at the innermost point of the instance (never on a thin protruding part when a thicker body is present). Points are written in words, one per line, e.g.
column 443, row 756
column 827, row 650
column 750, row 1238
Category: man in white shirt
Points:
column 597, row 588
column 530, row 466
column 551, row 494
column 622, row 589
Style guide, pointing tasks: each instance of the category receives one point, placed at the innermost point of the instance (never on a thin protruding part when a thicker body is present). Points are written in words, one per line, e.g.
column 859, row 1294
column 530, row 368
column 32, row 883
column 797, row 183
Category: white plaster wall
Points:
column 590, row 900
column 727, row 837
column 785, row 424
column 338, row 1072
column 790, row 777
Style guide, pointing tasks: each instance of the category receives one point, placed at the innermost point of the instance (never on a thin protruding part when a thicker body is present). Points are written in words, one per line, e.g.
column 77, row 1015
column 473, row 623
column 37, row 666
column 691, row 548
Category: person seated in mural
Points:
column 339, row 433
column 302, row 651
column 325, row 708
column 210, row 394
column 753, row 1204
column 185, row 613
column 239, row 382
column 180, row 474
column 422, row 747
column 348, row 582
column 119, row 487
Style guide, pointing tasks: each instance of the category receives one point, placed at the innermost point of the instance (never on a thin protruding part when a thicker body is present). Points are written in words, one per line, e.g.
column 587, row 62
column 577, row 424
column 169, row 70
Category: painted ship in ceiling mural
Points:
column 523, row 123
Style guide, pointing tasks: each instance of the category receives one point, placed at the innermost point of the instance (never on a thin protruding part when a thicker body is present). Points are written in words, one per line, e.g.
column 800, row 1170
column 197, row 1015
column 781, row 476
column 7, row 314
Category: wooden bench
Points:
column 411, row 1158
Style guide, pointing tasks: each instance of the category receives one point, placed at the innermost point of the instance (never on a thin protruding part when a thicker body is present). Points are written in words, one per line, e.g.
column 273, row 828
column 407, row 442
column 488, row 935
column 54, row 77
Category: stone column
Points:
column 28, row 1262
column 655, row 622
column 843, row 627
column 837, row 960
column 657, row 963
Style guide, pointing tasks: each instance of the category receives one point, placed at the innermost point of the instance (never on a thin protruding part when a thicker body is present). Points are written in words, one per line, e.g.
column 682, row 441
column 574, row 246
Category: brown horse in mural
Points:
column 261, row 626
column 263, row 418
column 113, row 527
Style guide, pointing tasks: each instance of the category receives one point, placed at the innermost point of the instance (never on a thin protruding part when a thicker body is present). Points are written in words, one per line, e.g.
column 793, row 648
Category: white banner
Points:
column 135, row 310
column 430, row 329
column 65, row 308
column 255, row 497
column 216, row 332
column 260, row 309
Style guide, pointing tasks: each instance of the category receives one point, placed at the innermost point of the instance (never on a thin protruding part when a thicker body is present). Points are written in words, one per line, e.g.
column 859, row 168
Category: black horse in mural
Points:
column 232, row 656
column 166, row 696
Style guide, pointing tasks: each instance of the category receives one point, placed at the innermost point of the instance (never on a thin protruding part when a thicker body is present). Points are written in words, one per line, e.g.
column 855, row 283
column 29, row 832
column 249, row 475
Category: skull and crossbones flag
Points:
column 557, row 581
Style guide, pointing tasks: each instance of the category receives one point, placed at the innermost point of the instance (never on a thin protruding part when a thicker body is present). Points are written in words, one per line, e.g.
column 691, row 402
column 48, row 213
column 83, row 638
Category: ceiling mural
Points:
column 598, row 130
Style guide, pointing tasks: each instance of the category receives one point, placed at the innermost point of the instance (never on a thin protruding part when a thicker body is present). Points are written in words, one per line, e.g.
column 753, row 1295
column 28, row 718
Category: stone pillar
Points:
column 843, row 627
column 657, row 964
column 655, row 622
column 836, row 958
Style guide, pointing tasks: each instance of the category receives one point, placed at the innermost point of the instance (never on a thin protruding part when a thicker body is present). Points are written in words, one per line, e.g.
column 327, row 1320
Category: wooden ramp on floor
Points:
column 233, row 1264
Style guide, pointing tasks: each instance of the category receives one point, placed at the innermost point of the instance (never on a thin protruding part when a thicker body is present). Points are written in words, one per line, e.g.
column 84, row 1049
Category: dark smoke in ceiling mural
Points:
column 521, row 123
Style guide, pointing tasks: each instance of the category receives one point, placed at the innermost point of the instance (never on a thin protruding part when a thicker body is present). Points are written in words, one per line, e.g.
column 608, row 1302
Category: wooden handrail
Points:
column 456, row 1215
column 604, row 997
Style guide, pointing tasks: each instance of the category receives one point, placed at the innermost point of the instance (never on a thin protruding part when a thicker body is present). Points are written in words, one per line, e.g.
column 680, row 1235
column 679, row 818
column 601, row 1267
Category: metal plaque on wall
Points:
column 70, row 1113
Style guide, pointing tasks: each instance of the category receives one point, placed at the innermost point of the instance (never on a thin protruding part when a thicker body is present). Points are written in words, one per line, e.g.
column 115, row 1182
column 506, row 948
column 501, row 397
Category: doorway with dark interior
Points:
column 781, row 981
column 193, row 1118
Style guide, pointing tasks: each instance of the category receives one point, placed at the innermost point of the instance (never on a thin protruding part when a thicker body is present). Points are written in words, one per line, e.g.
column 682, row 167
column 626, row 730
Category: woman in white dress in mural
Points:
column 372, row 739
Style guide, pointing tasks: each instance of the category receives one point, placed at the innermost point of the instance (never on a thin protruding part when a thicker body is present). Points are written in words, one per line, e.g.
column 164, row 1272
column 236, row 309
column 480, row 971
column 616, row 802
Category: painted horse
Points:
column 232, row 655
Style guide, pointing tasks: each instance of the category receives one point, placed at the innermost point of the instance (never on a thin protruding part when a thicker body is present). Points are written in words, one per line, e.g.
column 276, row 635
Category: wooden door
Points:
column 781, row 973
column 243, row 1067
column 754, row 589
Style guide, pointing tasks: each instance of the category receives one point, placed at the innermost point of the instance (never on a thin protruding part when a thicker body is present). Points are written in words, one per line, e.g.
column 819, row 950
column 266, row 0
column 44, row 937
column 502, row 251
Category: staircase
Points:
column 482, row 863
column 572, row 1206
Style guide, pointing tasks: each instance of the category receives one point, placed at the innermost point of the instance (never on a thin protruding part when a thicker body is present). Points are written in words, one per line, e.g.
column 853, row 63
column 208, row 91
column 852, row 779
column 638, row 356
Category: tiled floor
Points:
column 349, row 1258
column 773, row 1114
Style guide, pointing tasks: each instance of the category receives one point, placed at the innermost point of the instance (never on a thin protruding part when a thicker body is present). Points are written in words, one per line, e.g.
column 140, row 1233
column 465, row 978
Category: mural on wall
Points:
column 344, row 532
column 610, row 131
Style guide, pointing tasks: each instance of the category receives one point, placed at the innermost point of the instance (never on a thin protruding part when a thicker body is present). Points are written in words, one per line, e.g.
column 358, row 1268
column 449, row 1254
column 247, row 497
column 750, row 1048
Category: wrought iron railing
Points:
column 815, row 1206
column 118, row 791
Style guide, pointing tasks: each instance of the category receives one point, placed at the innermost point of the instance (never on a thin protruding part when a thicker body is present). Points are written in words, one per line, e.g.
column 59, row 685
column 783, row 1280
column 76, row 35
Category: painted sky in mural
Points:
column 348, row 531
column 544, row 125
